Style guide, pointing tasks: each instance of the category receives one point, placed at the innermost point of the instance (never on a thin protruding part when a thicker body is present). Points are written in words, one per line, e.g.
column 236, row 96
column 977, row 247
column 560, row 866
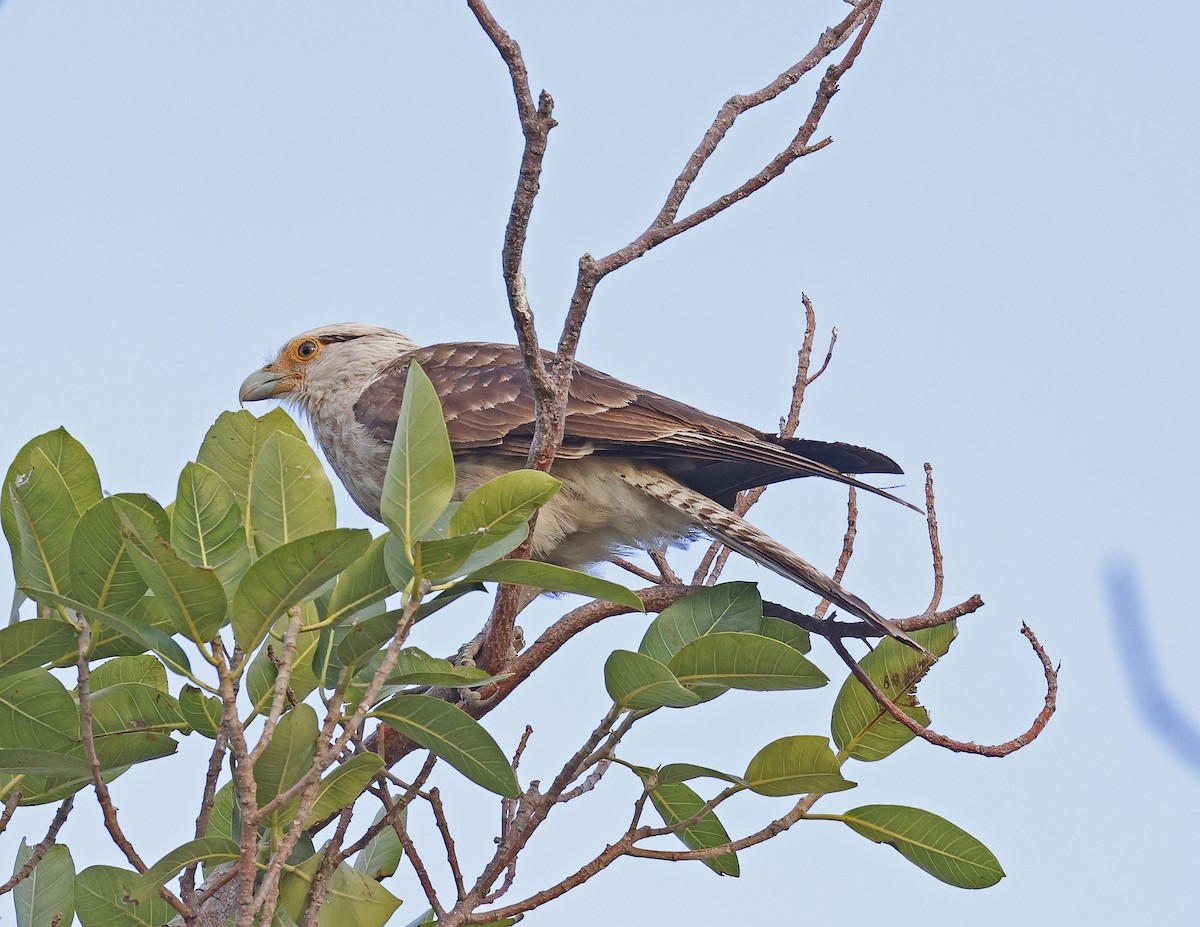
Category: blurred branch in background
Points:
column 1150, row 695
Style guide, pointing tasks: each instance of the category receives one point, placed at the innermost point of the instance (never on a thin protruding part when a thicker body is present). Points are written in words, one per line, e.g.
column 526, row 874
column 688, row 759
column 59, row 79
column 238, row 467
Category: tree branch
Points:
column 958, row 746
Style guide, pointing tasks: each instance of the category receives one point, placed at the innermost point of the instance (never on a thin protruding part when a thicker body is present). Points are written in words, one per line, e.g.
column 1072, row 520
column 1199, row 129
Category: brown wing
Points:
column 488, row 403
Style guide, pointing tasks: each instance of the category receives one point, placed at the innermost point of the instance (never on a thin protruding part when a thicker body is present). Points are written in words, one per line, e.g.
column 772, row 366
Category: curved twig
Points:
column 958, row 746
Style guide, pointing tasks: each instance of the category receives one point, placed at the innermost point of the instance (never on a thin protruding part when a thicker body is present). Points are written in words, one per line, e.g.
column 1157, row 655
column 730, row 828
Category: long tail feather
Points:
column 743, row 537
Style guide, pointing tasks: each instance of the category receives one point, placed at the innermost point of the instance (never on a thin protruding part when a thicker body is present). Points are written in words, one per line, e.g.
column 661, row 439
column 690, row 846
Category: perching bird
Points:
column 638, row 470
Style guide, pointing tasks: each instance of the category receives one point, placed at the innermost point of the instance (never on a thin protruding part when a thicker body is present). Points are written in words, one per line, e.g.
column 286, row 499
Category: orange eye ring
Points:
column 306, row 350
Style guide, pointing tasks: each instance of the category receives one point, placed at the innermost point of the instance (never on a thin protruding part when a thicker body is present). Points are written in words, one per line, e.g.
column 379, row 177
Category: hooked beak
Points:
column 264, row 384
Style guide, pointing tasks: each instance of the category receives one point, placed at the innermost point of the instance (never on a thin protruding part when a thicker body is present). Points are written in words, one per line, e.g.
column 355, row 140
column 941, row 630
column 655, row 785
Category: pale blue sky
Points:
column 1004, row 233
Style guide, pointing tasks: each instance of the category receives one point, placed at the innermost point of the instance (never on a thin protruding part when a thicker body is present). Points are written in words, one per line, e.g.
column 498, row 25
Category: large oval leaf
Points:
column 206, row 524
column 420, row 472
column 144, row 669
column 944, row 850
column 456, row 737
column 148, row 636
column 556, row 579
column 361, row 584
column 637, row 682
column 45, row 517
column 73, row 464
column 261, row 676
column 192, row 596
column 727, row 607
column 103, row 573
column 201, row 712
column 132, row 707
column 27, row 644
column 36, row 711
column 231, row 447
column 287, row 757
column 287, row 575
column 205, row 849
column 795, row 766
column 102, row 900
column 46, row 898
column 744, row 661
column 864, row 727
column 676, row 803
column 342, row 786
column 351, row 897
column 290, row 493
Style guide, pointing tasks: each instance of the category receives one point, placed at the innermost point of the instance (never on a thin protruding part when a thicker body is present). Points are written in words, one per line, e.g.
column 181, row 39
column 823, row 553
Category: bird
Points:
column 638, row 470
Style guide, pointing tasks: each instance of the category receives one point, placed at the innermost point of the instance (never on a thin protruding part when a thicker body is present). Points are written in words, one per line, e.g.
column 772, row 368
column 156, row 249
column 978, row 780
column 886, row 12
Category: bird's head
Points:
column 317, row 364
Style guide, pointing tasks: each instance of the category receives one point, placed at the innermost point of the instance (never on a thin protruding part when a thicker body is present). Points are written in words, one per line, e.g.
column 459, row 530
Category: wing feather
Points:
column 488, row 403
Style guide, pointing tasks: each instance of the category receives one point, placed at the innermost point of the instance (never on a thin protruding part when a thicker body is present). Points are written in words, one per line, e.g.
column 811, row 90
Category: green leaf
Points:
column 286, row 759
column 223, row 820
column 45, row 516
column 151, row 638
column 795, row 766
column 36, row 711
column 47, row 897
column 33, row 643
column 945, row 851
column 744, row 661
column 290, row 494
column 143, row 669
column 201, row 712
column 637, row 682
column 103, row 573
column 366, row 636
column 342, row 786
column 490, row 523
column 681, row 772
column 861, row 726
column 192, row 596
column 420, row 473
column 73, row 464
column 503, row 503
column 381, row 857
column 42, row 763
column 792, row 635
column 677, row 802
column 206, row 526
column 442, row 559
column 556, row 579
column 397, row 561
column 220, row 849
column 100, row 899
column 232, row 445
column 287, row 575
column 727, row 607
column 120, row 751
column 456, row 737
column 363, row 583
column 352, row 897
column 131, row 707
column 414, row 667
column 261, row 676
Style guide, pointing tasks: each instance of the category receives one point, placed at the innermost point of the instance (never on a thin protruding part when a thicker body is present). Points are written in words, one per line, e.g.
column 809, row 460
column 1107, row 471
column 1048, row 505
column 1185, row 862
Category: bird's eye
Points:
column 306, row 349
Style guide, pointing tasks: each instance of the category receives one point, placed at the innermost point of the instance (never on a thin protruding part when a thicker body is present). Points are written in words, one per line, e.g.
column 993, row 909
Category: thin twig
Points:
column 958, row 746
column 107, row 808
column 939, row 575
column 439, row 816
column 843, row 561
column 42, row 848
column 10, row 807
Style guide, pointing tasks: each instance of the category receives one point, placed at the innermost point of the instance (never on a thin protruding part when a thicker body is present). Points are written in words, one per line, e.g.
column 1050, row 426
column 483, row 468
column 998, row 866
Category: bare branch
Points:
column 958, row 746
column 107, row 808
column 839, row 571
column 42, row 848
column 939, row 575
